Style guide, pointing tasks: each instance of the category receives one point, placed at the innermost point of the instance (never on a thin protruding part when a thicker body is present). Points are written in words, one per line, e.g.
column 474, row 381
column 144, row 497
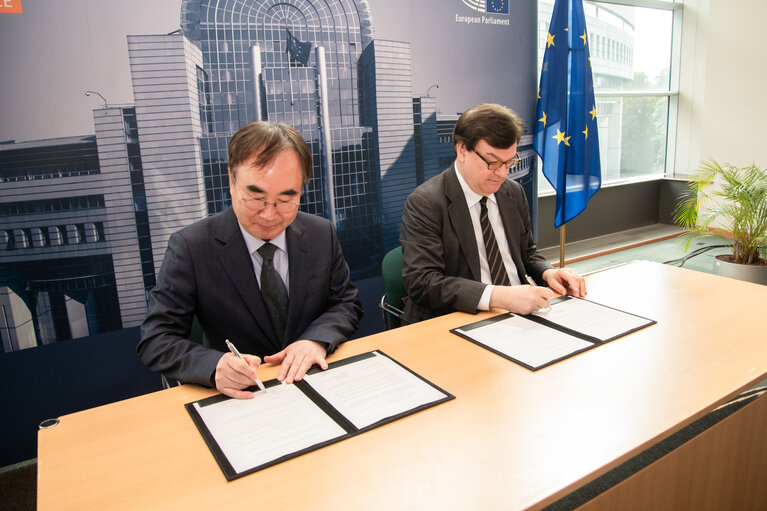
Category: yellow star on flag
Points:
column 586, row 132
column 550, row 41
column 584, row 38
column 543, row 119
column 560, row 137
column 593, row 112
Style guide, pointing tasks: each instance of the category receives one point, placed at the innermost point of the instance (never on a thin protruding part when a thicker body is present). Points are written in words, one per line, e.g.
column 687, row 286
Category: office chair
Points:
column 195, row 335
column 391, row 303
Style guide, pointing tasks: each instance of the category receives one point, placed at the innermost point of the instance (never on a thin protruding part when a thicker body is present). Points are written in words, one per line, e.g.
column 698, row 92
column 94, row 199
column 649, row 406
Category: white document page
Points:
column 281, row 421
column 592, row 319
column 372, row 389
column 527, row 341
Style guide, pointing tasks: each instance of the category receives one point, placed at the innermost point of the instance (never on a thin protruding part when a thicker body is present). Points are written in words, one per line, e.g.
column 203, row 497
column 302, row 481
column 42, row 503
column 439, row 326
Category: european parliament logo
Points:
column 489, row 6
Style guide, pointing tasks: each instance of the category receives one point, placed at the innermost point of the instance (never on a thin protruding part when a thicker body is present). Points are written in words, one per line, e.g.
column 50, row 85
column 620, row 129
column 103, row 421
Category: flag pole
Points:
column 290, row 74
column 562, row 246
column 566, row 106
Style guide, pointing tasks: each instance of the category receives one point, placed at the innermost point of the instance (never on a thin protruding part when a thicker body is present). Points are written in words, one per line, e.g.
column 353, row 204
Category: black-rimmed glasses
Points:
column 281, row 206
column 495, row 165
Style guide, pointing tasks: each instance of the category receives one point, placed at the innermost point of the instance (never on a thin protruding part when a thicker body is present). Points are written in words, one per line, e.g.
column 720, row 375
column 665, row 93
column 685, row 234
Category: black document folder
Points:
column 534, row 341
column 352, row 396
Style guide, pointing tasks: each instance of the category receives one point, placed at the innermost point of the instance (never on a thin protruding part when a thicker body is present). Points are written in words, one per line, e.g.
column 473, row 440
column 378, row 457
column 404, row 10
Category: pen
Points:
column 237, row 354
column 532, row 283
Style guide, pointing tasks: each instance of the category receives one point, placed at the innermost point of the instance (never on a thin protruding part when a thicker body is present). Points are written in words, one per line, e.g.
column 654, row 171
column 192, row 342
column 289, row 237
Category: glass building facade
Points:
column 57, row 278
column 296, row 62
column 85, row 221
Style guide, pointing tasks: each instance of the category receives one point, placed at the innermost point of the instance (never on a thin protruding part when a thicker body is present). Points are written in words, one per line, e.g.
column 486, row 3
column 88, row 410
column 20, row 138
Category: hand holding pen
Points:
column 231, row 378
column 237, row 354
column 532, row 283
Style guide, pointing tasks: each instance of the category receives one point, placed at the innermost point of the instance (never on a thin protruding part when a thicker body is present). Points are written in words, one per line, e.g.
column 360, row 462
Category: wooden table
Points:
column 511, row 439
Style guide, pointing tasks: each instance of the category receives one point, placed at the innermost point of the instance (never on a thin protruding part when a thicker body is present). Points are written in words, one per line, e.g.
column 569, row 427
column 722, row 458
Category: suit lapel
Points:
column 460, row 219
column 298, row 271
column 511, row 226
column 238, row 267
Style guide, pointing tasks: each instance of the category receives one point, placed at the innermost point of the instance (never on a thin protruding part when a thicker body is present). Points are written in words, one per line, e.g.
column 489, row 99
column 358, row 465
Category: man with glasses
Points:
column 466, row 236
column 261, row 274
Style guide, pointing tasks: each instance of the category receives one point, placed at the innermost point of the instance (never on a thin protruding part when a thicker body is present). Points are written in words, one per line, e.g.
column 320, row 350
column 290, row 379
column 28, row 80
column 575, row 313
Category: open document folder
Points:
column 537, row 340
column 352, row 396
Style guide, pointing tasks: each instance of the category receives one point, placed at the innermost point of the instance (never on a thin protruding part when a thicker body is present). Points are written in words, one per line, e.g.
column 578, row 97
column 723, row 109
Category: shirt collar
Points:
column 472, row 197
column 254, row 243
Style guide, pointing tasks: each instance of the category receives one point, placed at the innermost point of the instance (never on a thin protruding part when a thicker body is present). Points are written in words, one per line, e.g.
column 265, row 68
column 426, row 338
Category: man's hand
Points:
column 521, row 299
column 233, row 375
column 298, row 358
column 565, row 282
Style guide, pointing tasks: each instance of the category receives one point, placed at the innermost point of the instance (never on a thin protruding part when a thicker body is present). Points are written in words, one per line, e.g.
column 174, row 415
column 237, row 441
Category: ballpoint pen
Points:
column 532, row 283
column 237, row 354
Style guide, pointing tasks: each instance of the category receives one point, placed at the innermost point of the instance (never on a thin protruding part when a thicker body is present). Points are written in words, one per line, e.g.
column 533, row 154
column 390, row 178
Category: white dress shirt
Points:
column 280, row 255
column 472, row 201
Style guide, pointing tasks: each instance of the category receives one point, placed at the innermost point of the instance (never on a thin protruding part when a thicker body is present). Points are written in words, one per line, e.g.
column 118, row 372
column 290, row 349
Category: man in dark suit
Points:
column 466, row 236
column 292, row 307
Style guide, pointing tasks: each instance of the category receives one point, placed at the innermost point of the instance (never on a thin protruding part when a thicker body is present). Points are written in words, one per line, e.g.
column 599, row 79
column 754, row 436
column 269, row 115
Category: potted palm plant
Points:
column 729, row 202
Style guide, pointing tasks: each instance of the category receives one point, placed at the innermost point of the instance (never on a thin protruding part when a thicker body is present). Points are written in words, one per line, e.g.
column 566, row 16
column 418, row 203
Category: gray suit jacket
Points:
column 207, row 272
column 440, row 262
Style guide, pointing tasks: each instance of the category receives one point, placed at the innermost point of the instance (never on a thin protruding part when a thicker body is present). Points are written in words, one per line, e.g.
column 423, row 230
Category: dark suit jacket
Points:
column 440, row 262
column 208, row 272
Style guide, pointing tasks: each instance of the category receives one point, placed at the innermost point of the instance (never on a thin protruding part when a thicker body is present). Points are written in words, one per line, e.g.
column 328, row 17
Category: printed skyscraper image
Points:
column 85, row 215
column 296, row 62
column 231, row 64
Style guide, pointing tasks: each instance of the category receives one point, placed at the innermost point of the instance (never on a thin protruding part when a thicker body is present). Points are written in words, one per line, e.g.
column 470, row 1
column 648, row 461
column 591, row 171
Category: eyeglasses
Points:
column 281, row 206
column 495, row 165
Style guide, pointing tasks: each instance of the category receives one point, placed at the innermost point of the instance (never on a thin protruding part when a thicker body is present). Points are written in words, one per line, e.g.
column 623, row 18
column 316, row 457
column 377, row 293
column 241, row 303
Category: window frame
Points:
column 672, row 92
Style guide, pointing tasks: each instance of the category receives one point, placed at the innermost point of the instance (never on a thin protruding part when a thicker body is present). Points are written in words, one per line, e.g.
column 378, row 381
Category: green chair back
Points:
column 394, row 290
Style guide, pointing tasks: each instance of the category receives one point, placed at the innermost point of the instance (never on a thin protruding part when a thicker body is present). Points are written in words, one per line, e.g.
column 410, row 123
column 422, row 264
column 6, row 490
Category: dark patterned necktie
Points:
column 273, row 289
column 497, row 270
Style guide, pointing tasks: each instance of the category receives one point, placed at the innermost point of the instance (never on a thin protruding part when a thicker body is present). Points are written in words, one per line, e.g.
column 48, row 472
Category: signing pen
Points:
column 237, row 354
column 532, row 283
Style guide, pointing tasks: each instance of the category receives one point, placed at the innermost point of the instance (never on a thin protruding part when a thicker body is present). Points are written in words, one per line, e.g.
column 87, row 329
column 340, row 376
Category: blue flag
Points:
column 565, row 134
column 297, row 50
column 497, row 6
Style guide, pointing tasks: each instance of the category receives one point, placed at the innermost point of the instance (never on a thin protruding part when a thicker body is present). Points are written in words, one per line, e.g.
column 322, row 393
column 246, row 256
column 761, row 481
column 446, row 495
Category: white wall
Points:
column 722, row 104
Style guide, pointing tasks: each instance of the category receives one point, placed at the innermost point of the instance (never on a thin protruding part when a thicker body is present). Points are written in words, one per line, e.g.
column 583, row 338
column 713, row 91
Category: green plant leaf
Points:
column 731, row 197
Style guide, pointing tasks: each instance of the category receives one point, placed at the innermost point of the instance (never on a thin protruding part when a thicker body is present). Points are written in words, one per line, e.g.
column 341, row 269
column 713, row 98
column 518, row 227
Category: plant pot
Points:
column 748, row 272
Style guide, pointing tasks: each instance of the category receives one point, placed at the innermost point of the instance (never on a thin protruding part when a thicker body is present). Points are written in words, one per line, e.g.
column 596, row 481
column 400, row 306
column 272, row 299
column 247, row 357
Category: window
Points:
column 631, row 45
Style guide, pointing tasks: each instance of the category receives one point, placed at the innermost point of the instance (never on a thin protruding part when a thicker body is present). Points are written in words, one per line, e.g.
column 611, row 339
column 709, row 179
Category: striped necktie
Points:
column 273, row 290
column 497, row 270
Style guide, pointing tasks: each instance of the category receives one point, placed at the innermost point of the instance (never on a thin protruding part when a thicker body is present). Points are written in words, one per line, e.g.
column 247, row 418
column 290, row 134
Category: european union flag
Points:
column 565, row 134
column 497, row 6
column 297, row 50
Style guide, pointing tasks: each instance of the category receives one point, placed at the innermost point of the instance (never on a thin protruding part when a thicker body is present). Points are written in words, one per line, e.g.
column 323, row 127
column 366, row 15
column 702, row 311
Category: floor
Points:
column 18, row 486
column 659, row 242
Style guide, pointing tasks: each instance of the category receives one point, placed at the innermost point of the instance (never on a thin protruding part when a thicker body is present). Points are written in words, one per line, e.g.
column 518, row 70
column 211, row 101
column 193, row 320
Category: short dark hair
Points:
column 267, row 139
column 497, row 125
